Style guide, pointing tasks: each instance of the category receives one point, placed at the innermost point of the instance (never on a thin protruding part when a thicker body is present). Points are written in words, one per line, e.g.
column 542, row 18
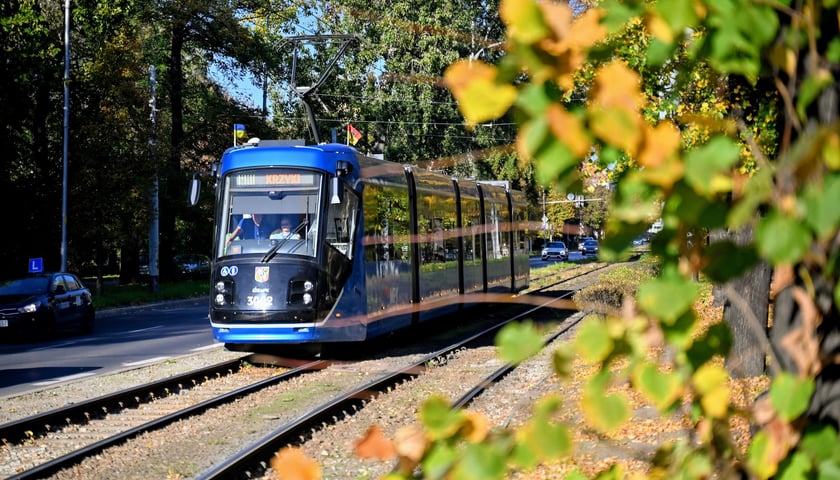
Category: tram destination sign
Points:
column 273, row 179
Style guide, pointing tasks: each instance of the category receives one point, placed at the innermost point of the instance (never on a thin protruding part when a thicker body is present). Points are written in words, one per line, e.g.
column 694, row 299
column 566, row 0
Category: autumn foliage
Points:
column 716, row 115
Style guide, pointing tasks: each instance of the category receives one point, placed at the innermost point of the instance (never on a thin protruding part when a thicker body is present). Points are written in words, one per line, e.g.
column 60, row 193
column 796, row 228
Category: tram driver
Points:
column 284, row 232
column 251, row 227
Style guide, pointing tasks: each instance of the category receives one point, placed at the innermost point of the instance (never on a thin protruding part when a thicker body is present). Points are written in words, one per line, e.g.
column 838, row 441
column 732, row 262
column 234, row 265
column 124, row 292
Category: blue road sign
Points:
column 36, row 265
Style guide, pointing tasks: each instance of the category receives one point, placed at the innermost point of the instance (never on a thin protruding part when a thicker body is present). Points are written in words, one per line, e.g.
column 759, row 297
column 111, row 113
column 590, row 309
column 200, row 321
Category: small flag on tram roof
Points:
column 239, row 131
column 353, row 135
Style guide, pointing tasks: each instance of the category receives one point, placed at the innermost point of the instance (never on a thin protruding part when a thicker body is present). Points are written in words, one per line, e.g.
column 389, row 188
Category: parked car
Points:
column 589, row 247
column 187, row 265
column 555, row 250
column 41, row 304
column 193, row 265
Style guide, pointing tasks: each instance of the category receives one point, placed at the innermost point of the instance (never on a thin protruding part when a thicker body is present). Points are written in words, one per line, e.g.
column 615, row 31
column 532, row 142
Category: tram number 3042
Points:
column 260, row 301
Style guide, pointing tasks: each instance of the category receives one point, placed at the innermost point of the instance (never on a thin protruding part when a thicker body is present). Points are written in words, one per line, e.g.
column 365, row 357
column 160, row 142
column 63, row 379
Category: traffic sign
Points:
column 36, row 265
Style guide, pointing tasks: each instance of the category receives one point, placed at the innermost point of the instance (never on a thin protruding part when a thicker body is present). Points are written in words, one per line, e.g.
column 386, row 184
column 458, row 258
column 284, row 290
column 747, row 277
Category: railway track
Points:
column 41, row 432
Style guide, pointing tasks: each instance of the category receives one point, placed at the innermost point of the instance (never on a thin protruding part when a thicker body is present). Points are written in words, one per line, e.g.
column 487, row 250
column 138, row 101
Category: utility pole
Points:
column 154, row 232
column 66, row 135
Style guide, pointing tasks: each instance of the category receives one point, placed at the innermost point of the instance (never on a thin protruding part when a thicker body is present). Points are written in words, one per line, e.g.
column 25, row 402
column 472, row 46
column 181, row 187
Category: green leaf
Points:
column 554, row 162
column 822, row 210
column 440, row 420
column 482, row 461
column 562, row 360
column 680, row 333
column 618, row 13
column 698, row 210
column 533, row 100
column 809, row 90
column 535, row 132
column 660, row 388
column 717, row 340
column 794, row 467
column 790, row 396
column 604, row 411
column 667, row 297
column 679, row 14
column 705, row 166
column 758, row 190
column 820, row 443
column 659, row 52
column 593, row 342
column 782, row 239
column 438, row 462
column 828, row 470
column 518, row 341
column 759, row 455
column 728, row 260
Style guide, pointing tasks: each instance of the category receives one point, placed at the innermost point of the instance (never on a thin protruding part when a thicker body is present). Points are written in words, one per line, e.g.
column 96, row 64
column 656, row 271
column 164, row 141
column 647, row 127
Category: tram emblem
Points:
column 261, row 274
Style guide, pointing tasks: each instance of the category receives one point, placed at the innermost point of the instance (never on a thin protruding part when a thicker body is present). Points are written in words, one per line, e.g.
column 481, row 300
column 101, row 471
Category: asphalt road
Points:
column 122, row 338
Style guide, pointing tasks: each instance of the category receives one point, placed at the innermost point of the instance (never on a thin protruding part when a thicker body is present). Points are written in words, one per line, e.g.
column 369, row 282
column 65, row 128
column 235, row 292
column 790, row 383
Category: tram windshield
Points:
column 269, row 211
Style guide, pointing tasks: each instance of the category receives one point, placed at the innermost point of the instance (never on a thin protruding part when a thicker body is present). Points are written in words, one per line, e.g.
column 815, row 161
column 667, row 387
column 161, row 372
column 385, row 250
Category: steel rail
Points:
column 98, row 407
column 253, row 460
column 73, row 458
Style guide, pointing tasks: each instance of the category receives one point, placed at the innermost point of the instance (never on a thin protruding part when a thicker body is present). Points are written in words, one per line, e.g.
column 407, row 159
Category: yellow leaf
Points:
column 375, row 445
column 569, row 129
column 616, row 86
column 665, row 176
column 292, row 464
column 710, row 382
column 572, row 37
column 659, row 28
column 587, row 30
column 559, row 17
column 524, row 21
column 716, row 402
column 618, row 127
column 480, row 98
column 476, row 427
column 660, row 142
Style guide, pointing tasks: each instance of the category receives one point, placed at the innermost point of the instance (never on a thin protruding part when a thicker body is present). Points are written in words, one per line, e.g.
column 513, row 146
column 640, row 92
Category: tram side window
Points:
column 437, row 225
column 386, row 223
column 471, row 210
column 341, row 222
column 497, row 246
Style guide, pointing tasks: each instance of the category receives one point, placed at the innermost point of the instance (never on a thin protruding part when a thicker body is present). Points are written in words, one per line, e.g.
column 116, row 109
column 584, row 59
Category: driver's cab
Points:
column 269, row 210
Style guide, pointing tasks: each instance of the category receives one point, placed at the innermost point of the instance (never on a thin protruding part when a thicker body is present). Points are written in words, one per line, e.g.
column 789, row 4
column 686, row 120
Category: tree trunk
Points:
column 745, row 302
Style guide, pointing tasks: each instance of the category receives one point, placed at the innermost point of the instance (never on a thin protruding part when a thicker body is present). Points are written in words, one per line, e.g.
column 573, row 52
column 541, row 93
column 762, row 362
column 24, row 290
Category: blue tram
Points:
column 319, row 243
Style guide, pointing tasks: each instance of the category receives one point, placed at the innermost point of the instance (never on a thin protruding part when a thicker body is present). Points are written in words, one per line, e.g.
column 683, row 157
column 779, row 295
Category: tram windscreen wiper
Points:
column 274, row 249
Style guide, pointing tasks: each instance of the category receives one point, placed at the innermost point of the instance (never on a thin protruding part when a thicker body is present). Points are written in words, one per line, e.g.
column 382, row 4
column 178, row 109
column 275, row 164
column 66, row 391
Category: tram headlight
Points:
column 307, row 299
column 308, row 286
column 220, row 299
column 220, row 287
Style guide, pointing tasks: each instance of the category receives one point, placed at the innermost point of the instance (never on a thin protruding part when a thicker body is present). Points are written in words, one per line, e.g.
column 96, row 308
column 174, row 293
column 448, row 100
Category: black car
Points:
column 589, row 247
column 41, row 304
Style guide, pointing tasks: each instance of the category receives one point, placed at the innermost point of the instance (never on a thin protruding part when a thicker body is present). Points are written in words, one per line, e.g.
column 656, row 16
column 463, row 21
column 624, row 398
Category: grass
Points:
column 139, row 294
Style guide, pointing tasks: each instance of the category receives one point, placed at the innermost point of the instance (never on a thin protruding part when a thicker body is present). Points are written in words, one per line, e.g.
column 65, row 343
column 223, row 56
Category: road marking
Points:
column 64, row 379
column 55, row 345
column 144, row 362
column 146, row 329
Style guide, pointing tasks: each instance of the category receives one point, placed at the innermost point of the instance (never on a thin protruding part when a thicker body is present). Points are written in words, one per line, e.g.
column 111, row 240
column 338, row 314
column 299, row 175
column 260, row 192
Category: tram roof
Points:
column 271, row 154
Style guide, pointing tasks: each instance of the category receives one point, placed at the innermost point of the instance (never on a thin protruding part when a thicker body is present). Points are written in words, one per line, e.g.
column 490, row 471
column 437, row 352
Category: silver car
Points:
column 555, row 250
